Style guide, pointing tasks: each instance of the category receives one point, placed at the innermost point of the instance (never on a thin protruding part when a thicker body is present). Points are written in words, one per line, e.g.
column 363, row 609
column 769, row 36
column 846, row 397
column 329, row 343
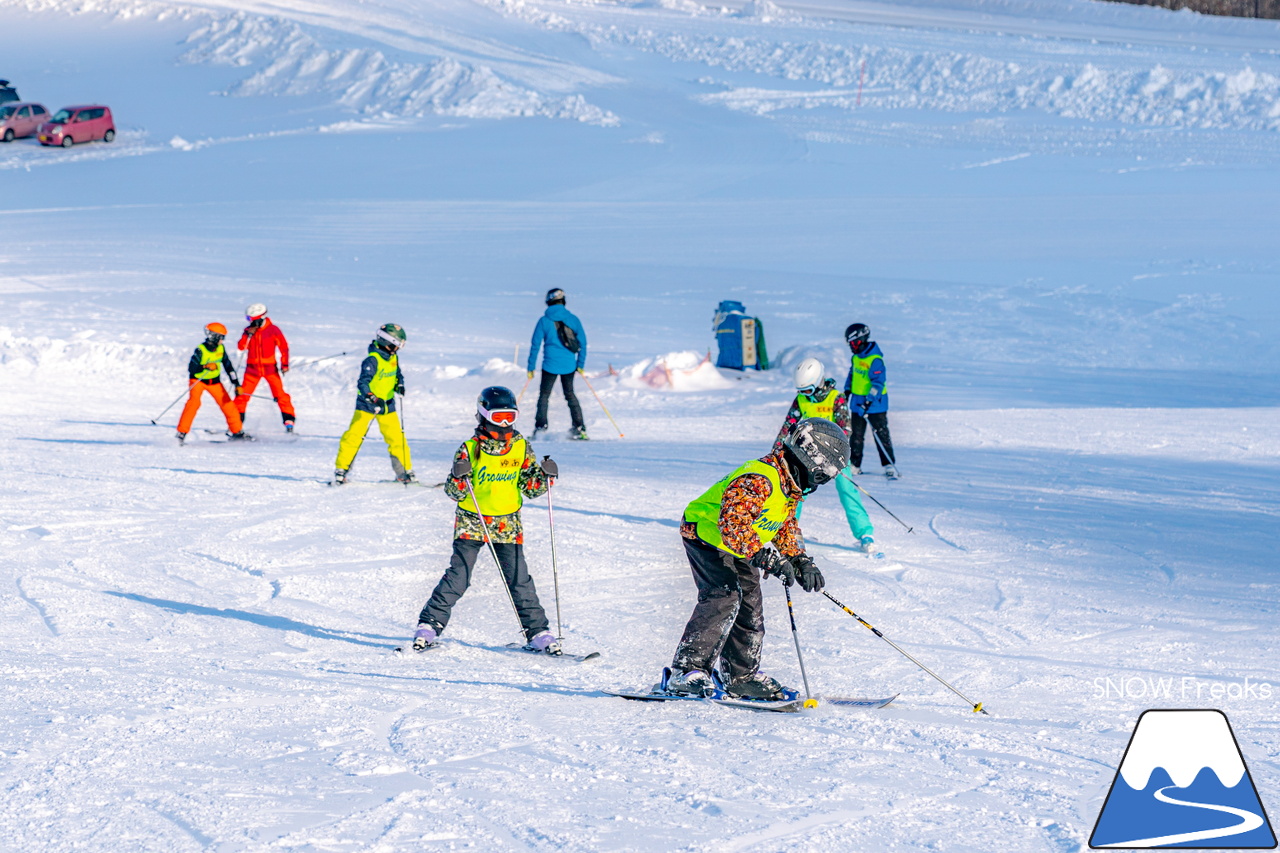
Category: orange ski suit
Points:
column 260, row 346
column 219, row 395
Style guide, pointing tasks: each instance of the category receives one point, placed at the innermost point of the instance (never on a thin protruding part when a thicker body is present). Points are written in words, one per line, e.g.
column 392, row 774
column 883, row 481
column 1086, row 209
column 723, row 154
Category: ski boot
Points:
column 695, row 683
column 407, row 478
column 424, row 637
column 578, row 434
column 288, row 427
column 239, row 436
column 760, row 687
column 891, row 472
column 545, row 642
column 339, row 476
column 537, row 431
column 182, row 437
column 867, row 544
column 854, row 470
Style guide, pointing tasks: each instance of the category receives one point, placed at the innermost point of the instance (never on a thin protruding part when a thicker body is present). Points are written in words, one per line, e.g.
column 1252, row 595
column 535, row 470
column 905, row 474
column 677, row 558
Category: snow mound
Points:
column 687, row 370
column 365, row 80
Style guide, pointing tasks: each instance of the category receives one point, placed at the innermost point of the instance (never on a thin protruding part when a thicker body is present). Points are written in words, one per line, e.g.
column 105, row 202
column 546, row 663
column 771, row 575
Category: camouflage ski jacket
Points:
column 743, row 504
column 503, row 529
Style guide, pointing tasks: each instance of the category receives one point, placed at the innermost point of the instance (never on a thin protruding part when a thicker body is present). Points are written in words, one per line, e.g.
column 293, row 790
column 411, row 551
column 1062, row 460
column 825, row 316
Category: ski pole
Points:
column 170, row 406
column 494, row 553
column 520, row 396
column 879, row 444
column 809, row 701
column 404, row 438
column 555, row 579
column 318, row 360
column 977, row 706
column 602, row 406
column 848, row 477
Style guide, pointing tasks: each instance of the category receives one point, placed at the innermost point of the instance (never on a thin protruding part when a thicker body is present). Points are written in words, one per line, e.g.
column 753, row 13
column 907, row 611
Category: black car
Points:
column 7, row 92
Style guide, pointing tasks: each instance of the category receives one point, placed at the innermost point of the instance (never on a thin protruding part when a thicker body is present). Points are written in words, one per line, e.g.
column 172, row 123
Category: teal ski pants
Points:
column 851, row 500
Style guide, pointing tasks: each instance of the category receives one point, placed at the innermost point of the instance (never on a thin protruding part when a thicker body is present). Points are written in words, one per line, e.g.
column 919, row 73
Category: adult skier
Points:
column 868, row 400
column 493, row 472
column 565, row 354
column 816, row 397
column 204, row 374
column 260, row 341
column 743, row 525
column 376, row 389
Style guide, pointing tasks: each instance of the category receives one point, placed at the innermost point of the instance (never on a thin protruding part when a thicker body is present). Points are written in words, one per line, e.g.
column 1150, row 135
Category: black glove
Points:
column 235, row 380
column 549, row 467
column 461, row 468
column 376, row 405
column 807, row 573
column 771, row 562
column 400, row 389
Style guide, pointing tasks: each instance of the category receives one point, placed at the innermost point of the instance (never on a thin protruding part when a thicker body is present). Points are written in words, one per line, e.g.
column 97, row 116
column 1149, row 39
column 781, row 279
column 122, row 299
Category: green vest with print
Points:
column 810, row 408
column 705, row 510
column 211, row 356
column 495, row 480
column 860, row 385
column 383, row 383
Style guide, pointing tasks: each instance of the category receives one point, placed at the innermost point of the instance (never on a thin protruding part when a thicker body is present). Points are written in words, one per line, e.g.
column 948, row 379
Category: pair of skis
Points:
column 783, row 706
column 512, row 647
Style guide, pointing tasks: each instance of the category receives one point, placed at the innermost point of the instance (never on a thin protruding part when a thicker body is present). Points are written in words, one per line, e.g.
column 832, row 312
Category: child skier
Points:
column 260, row 341
column 727, row 533
column 816, row 397
column 497, row 468
column 379, row 383
column 204, row 372
column 868, row 400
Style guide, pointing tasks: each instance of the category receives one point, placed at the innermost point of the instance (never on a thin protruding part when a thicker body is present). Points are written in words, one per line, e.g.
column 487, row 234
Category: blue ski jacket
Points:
column 879, row 397
column 557, row 359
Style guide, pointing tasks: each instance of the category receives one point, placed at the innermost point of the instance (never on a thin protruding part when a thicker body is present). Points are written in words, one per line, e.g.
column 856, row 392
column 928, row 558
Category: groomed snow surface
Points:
column 1058, row 218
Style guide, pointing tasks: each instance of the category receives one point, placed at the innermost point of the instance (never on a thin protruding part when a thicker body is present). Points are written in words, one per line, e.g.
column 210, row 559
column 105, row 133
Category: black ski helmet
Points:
column 820, row 449
column 857, row 336
column 555, row 296
column 496, row 399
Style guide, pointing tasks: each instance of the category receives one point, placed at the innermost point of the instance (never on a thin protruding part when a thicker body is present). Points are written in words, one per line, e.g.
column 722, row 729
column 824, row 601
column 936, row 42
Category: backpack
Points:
column 568, row 337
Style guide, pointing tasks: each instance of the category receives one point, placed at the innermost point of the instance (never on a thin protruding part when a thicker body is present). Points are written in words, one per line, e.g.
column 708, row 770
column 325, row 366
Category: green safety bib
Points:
column 861, row 383
column 495, row 479
column 383, row 384
column 810, row 408
column 211, row 356
column 705, row 510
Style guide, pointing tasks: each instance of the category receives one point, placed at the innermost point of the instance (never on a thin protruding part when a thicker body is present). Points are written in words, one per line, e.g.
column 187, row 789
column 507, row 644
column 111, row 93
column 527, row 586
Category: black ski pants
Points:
column 728, row 621
column 457, row 578
column 858, row 431
column 544, row 399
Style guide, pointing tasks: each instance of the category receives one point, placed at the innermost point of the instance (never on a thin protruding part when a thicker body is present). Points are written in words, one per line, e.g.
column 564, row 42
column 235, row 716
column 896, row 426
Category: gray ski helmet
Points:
column 856, row 335
column 392, row 336
column 821, row 447
column 555, row 296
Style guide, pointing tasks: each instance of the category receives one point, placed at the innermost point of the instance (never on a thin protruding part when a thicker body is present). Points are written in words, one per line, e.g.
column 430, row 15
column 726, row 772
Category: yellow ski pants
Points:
column 389, row 425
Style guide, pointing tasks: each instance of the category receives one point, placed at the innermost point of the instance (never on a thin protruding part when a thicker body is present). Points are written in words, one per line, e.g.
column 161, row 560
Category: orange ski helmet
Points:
column 215, row 332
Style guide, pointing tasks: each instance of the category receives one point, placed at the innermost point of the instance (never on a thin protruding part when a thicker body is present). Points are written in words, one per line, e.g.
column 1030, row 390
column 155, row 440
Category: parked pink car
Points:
column 70, row 125
column 21, row 119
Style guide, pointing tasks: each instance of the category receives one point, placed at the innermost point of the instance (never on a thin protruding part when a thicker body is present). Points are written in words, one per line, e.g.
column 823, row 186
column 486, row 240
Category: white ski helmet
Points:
column 809, row 375
column 254, row 311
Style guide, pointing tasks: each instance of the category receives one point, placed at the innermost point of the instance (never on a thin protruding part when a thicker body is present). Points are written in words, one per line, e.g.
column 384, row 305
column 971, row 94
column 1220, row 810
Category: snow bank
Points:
column 365, row 80
column 687, row 370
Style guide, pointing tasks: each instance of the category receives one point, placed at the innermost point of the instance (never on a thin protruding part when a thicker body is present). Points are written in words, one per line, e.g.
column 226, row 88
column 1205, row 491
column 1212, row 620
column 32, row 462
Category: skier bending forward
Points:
column 727, row 534
column 497, row 468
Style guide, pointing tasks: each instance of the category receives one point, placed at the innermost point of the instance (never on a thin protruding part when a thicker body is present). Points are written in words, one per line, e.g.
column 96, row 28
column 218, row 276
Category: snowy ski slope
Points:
column 1058, row 218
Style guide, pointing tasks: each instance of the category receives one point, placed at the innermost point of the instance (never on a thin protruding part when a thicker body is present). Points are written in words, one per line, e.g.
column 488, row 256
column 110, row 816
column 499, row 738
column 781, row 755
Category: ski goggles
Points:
column 808, row 390
column 503, row 417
